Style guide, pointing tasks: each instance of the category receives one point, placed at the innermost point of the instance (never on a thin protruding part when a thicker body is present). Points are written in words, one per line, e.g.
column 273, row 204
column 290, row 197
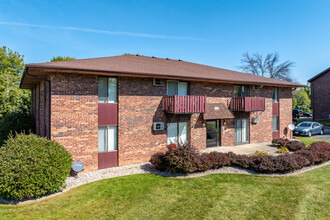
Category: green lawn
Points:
column 308, row 140
column 221, row 196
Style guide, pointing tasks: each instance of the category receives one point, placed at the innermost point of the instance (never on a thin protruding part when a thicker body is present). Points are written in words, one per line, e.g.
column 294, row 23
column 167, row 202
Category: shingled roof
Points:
column 143, row 66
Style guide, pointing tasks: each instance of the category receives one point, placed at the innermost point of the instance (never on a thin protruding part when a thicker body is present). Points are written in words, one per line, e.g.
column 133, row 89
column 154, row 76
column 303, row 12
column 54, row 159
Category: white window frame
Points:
column 177, row 139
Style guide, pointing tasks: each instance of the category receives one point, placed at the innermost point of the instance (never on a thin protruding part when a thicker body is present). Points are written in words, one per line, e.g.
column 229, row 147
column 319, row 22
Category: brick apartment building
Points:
column 320, row 86
column 116, row 111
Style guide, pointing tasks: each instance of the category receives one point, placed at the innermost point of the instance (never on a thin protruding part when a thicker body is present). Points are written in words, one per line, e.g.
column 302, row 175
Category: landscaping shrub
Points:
column 283, row 150
column 32, row 167
column 257, row 153
column 182, row 159
column 203, row 162
column 218, row 159
column 212, row 160
column 192, row 161
column 159, row 161
column 15, row 122
column 240, row 160
column 281, row 142
column 291, row 145
column 295, row 145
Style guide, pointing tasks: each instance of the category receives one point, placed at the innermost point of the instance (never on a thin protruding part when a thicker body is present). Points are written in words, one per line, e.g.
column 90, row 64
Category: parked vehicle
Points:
column 297, row 113
column 308, row 128
column 307, row 114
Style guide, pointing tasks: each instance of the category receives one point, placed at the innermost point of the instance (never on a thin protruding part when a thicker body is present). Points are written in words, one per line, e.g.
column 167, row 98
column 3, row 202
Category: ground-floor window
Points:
column 275, row 123
column 177, row 132
column 107, row 138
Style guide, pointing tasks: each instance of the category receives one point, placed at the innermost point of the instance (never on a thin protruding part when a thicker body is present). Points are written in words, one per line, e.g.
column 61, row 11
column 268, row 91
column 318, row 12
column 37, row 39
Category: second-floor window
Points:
column 177, row 87
column 275, row 94
column 241, row 91
column 107, row 90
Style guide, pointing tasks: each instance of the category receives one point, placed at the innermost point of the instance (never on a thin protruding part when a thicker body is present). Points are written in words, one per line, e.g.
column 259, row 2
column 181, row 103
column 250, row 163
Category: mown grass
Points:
column 308, row 140
column 221, row 196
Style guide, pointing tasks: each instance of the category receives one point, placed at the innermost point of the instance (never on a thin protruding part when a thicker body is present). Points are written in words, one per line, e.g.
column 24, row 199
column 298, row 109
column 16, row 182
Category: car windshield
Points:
column 305, row 124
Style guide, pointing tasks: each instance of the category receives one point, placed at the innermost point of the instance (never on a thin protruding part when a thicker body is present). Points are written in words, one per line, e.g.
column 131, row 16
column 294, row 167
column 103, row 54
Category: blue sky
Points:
column 214, row 33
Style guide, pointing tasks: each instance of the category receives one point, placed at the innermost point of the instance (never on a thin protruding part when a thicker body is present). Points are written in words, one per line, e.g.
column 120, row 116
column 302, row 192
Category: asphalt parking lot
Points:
column 325, row 136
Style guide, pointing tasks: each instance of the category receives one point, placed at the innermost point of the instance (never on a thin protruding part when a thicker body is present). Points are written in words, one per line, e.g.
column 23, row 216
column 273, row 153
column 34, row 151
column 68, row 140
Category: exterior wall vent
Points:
column 158, row 82
column 158, row 126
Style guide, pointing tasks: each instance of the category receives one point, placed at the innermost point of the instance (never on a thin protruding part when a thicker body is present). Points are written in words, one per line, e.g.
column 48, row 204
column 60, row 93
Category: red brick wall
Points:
column 74, row 116
column 216, row 93
column 320, row 97
column 285, row 114
column 262, row 131
column 74, row 119
column 139, row 105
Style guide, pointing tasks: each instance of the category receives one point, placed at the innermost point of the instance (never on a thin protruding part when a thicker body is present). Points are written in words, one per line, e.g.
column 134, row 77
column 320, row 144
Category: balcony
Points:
column 184, row 104
column 248, row 104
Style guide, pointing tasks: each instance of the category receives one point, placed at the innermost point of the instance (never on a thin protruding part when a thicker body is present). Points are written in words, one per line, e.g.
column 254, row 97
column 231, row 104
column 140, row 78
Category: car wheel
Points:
column 310, row 134
column 321, row 133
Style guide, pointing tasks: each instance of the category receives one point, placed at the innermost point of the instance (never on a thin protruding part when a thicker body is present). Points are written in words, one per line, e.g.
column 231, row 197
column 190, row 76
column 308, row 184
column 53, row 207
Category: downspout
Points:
column 49, row 98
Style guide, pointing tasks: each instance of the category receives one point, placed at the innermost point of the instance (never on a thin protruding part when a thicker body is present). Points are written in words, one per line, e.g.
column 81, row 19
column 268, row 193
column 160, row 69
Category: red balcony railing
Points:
column 184, row 104
column 248, row 104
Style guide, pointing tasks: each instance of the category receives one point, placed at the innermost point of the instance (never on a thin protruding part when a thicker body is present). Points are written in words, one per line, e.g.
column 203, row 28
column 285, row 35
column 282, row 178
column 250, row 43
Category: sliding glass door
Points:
column 241, row 131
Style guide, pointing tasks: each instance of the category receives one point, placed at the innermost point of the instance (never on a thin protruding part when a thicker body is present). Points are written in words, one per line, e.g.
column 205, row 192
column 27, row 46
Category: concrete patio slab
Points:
column 247, row 149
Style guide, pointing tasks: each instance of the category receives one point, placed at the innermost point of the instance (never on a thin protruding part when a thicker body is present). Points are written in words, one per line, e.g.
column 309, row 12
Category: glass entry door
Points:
column 242, row 131
column 213, row 133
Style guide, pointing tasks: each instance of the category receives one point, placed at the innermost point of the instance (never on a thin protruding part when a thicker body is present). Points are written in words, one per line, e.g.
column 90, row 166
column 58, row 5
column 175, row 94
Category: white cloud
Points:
column 120, row 33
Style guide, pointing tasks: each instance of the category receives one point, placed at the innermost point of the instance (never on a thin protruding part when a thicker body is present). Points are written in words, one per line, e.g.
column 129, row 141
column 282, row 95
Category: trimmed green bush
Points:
column 32, row 166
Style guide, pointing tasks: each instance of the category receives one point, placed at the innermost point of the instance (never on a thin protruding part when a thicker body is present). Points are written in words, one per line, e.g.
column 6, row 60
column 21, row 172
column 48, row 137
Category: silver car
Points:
column 308, row 128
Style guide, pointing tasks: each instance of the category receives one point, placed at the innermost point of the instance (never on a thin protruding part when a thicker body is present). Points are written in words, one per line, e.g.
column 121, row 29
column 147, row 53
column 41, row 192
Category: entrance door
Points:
column 213, row 133
column 241, row 131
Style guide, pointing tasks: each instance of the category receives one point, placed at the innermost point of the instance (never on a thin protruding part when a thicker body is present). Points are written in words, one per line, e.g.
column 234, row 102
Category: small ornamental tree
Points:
column 31, row 167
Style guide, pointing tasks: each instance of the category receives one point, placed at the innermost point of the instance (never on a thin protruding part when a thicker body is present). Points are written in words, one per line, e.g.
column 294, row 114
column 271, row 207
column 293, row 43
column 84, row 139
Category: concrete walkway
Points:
column 247, row 149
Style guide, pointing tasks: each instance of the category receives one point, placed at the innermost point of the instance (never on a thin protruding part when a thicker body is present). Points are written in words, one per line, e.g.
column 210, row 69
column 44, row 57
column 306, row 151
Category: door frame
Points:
column 247, row 135
column 218, row 126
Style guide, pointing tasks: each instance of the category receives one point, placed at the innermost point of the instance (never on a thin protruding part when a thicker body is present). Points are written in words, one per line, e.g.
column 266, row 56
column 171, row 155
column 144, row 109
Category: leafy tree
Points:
column 267, row 67
column 301, row 100
column 12, row 98
column 60, row 58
